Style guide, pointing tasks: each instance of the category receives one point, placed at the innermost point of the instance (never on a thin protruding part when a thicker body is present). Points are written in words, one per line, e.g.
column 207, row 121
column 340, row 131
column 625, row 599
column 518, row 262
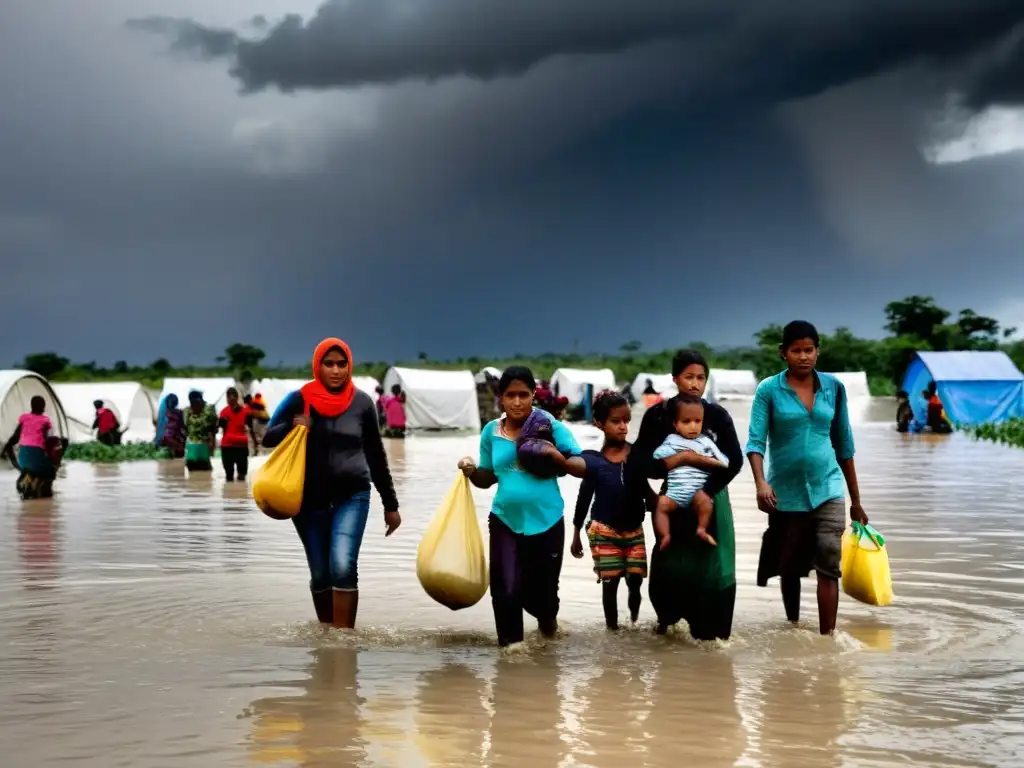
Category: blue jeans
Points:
column 331, row 538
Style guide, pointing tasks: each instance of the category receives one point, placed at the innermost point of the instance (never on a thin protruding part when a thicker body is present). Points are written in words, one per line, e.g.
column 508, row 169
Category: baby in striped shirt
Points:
column 684, row 481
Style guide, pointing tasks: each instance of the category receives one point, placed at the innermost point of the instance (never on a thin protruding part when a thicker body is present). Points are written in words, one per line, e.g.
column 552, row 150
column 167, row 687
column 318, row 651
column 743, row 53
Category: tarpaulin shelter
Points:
column 975, row 387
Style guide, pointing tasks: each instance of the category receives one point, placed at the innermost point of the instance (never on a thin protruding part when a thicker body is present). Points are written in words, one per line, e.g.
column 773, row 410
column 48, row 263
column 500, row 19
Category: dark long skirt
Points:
column 694, row 582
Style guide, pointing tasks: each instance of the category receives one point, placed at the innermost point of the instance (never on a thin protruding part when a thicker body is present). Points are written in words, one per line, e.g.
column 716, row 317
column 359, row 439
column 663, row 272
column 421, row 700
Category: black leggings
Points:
column 233, row 458
column 610, row 598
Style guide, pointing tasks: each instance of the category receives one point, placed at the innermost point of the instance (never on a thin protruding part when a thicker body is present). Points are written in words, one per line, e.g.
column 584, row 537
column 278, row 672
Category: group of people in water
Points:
column 936, row 420
column 687, row 443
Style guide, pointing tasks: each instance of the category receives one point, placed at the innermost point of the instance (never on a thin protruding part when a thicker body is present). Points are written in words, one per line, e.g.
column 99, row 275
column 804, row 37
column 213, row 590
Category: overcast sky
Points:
column 473, row 177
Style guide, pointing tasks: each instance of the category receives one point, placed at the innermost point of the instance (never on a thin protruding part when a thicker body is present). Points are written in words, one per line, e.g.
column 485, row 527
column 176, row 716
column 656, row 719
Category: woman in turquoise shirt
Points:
column 526, row 524
column 802, row 417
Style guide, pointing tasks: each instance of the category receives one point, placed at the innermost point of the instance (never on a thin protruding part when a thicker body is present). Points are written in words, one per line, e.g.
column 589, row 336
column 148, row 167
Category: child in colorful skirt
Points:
column 616, row 531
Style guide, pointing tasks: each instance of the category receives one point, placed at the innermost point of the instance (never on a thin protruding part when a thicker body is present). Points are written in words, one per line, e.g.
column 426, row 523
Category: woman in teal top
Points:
column 526, row 524
column 801, row 416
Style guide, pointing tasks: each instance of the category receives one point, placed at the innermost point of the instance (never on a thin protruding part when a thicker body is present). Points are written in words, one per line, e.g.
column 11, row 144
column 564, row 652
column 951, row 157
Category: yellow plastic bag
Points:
column 865, row 566
column 451, row 564
column 277, row 485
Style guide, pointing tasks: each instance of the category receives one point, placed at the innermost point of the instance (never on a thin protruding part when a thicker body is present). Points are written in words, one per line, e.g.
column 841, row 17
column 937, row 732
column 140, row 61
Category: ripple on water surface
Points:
column 149, row 619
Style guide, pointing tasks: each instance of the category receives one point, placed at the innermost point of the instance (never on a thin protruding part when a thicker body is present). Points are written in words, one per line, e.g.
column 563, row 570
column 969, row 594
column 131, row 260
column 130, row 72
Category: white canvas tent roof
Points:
column 663, row 383
column 17, row 388
column 214, row 390
column 367, row 384
column 481, row 375
column 727, row 384
column 856, row 383
column 437, row 399
column 570, row 382
column 129, row 401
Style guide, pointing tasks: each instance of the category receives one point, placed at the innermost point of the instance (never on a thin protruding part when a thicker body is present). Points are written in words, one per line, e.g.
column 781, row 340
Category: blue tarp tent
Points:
column 975, row 387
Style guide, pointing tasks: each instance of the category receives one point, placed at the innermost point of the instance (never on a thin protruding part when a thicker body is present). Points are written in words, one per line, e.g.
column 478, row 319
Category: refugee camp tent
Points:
column 663, row 385
column 570, row 382
column 17, row 388
column 437, row 399
column 725, row 384
column 856, row 383
column 214, row 390
column 367, row 384
column 129, row 400
column 483, row 373
column 975, row 387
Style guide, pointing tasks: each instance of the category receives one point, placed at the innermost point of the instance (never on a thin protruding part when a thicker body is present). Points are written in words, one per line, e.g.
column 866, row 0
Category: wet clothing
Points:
column 936, row 418
column 200, row 431
column 236, row 423
column 904, row 417
column 394, row 411
column 526, row 504
column 690, row 580
column 235, row 460
column 344, row 454
column 617, row 552
column 794, row 544
column 34, row 429
column 524, row 576
column 803, row 447
column 331, row 537
column 605, row 485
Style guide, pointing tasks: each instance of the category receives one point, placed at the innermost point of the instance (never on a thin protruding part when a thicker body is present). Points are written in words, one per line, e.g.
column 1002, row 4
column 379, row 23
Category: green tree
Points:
column 46, row 364
column 161, row 366
column 239, row 356
column 631, row 347
column 914, row 316
column 121, row 367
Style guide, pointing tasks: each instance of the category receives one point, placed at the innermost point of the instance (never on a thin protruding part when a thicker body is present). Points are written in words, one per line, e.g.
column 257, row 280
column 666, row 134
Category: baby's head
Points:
column 689, row 415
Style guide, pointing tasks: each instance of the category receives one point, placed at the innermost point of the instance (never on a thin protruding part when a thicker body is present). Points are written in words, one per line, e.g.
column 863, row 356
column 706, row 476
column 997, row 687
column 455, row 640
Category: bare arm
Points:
column 481, row 478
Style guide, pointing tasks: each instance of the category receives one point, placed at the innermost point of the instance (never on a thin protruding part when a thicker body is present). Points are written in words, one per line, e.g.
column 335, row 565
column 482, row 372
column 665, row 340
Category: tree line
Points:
column 914, row 323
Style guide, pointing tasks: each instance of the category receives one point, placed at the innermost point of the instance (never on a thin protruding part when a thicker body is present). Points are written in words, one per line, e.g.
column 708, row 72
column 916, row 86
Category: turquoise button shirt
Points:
column 803, row 447
column 525, row 503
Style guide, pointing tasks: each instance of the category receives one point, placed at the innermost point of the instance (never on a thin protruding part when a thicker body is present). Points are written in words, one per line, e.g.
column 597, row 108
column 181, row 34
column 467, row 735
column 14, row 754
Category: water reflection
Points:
column 694, row 711
column 451, row 716
column 804, row 713
column 39, row 542
column 526, row 725
column 321, row 726
column 614, row 703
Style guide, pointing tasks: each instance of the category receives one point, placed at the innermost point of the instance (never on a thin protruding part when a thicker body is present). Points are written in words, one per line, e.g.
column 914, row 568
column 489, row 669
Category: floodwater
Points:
column 150, row 620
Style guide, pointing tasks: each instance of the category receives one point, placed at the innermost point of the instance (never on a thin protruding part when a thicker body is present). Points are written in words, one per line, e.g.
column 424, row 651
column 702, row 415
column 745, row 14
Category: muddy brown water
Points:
column 150, row 620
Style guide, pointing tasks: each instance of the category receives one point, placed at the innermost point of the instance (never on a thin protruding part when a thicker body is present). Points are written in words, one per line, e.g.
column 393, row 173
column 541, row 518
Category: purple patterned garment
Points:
column 536, row 434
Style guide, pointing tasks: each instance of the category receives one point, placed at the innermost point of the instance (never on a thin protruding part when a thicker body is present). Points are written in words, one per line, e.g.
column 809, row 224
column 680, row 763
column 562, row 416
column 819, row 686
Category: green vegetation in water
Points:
column 915, row 323
column 98, row 453
column 1009, row 432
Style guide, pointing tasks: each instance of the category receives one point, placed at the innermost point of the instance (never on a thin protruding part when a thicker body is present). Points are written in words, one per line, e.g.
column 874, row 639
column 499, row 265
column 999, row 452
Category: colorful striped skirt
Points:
column 617, row 553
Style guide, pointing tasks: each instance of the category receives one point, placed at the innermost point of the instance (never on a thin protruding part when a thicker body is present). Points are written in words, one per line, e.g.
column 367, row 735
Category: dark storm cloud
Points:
column 999, row 77
column 774, row 49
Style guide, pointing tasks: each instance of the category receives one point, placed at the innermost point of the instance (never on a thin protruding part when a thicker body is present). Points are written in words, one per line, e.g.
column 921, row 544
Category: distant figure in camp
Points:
column 201, row 424
column 936, row 421
column 260, row 418
column 106, row 425
column 382, row 417
column 236, row 421
column 394, row 412
column 39, row 452
column 904, row 413
column 170, row 427
column 651, row 396
column 487, row 398
column 545, row 397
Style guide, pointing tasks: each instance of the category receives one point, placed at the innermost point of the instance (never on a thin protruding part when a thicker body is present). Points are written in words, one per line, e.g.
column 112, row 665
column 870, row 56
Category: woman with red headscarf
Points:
column 344, row 456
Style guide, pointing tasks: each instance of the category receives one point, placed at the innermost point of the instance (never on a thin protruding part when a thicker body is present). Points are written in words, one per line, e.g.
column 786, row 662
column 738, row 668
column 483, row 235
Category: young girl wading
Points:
column 526, row 524
column 616, row 530
column 343, row 456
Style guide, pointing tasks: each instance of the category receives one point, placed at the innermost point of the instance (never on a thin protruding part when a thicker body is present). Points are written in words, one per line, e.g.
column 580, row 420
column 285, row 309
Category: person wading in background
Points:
column 201, row 424
column 236, row 421
column 106, row 425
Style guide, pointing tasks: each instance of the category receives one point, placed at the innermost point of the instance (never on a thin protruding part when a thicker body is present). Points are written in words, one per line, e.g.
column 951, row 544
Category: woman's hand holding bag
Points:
column 277, row 485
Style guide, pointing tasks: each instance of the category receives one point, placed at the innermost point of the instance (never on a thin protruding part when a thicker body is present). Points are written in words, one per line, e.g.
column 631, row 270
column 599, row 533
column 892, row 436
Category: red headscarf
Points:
column 315, row 394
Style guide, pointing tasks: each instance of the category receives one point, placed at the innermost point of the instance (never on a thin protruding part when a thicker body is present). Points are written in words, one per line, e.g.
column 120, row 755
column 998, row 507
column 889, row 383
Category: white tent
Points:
column 214, row 390
column 367, row 384
column 483, row 373
column 856, row 383
column 129, row 401
column 570, row 382
column 437, row 399
column 663, row 383
column 725, row 384
column 17, row 388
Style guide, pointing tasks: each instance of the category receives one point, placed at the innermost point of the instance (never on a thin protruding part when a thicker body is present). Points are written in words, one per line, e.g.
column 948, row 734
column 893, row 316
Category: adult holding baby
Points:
column 692, row 579
column 526, row 524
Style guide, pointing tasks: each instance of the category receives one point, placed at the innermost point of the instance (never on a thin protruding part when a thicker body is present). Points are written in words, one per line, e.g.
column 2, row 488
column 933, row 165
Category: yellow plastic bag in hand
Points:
column 865, row 566
column 450, row 563
column 277, row 485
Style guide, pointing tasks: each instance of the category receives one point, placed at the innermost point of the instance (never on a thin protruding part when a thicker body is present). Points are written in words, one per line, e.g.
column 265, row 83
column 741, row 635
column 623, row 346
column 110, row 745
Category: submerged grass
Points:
column 98, row 453
column 1009, row 432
